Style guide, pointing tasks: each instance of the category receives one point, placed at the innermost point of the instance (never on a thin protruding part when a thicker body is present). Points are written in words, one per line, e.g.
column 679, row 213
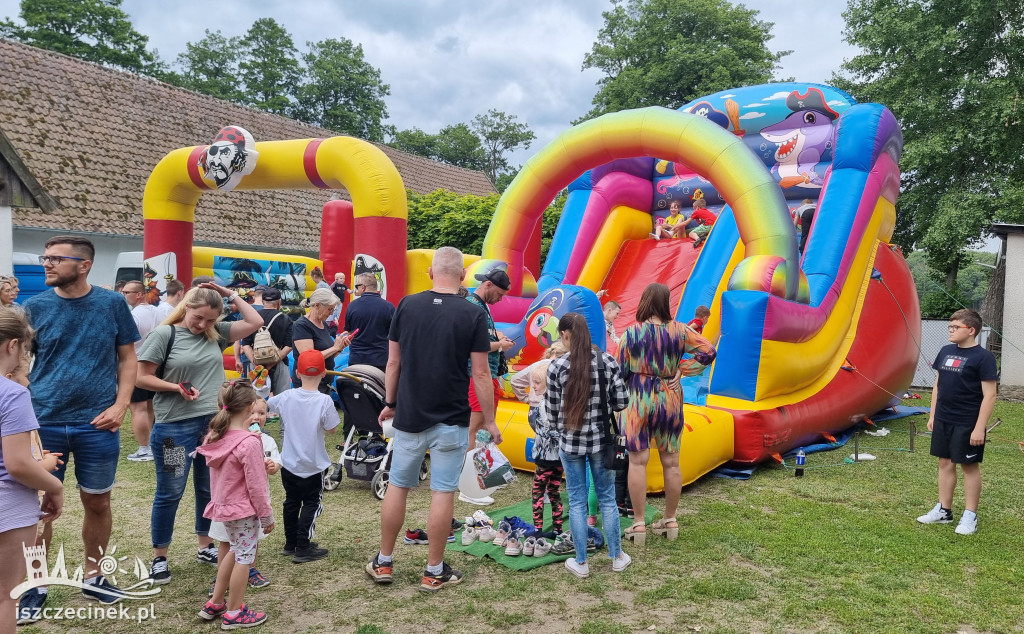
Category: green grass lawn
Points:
column 838, row 550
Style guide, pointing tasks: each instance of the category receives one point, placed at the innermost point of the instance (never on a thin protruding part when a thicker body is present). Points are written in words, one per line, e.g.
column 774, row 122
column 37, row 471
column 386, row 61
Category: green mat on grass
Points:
column 524, row 510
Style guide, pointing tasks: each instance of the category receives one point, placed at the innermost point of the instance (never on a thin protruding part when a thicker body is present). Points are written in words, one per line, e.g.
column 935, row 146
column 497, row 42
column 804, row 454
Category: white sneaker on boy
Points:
column 968, row 524
column 936, row 516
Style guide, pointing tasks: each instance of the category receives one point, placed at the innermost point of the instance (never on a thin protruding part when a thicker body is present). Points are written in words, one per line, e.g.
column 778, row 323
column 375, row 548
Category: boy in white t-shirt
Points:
column 306, row 414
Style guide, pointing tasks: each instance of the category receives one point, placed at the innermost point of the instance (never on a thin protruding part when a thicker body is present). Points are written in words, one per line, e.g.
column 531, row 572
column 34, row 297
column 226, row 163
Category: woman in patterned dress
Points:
column 651, row 357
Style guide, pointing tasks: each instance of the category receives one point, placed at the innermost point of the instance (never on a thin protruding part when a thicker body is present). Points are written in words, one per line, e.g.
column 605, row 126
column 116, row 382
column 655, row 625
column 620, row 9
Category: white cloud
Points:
column 752, row 115
column 449, row 60
column 755, row 105
column 778, row 95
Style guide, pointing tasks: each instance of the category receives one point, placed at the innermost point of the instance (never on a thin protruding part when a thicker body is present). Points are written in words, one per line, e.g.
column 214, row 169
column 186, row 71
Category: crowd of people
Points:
column 94, row 354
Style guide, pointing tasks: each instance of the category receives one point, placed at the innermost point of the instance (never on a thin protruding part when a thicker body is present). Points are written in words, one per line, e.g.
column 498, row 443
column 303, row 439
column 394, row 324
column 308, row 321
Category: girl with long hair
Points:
column 21, row 475
column 187, row 349
column 240, row 499
column 574, row 402
column 652, row 358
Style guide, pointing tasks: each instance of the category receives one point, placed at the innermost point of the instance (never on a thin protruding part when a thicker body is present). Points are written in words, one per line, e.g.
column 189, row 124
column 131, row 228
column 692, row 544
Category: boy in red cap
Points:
column 306, row 414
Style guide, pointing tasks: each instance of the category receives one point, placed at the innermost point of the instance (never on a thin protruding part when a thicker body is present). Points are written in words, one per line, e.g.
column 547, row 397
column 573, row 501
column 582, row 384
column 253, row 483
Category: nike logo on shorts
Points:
column 969, row 456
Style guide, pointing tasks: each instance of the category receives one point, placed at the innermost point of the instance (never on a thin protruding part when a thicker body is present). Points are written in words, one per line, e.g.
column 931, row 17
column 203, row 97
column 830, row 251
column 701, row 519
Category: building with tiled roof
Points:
column 78, row 142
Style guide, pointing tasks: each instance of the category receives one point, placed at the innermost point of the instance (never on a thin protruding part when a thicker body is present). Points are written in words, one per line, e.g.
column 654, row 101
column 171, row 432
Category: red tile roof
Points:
column 90, row 136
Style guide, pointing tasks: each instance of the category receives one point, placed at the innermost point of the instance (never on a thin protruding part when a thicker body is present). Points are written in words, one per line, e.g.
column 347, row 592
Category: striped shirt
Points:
column 587, row 439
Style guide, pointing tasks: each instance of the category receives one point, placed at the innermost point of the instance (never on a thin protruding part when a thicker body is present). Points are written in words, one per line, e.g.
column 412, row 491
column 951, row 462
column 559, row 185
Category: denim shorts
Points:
column 95, row 453
column 447, row 445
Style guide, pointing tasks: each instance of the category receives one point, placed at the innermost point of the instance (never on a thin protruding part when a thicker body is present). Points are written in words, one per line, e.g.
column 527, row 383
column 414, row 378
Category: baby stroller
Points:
column 366, row 453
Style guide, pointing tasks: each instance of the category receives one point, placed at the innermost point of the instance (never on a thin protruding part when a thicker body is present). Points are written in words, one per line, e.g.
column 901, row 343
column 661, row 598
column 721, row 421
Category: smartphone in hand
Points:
column 186, row 386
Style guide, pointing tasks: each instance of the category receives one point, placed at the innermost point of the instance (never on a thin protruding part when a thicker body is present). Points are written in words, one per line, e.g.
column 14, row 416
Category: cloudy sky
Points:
column 448, row 60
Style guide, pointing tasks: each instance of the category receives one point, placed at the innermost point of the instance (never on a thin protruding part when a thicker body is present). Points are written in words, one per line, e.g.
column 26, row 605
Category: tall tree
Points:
column 94, row 30
column 667, row 52
column 952, row 71
column 500, row 133
column 342, row 91
column 271, row 69
column 458, row 145
column 454, row 144
column 210, row 66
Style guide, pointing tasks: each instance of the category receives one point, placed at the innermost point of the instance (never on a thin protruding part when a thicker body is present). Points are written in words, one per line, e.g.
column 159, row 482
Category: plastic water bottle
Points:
column 801, row 459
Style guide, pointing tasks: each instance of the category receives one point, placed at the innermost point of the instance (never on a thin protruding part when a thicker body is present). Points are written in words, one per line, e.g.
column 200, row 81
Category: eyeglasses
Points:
column 360, row 285
column 55, row 260
column 954, row 327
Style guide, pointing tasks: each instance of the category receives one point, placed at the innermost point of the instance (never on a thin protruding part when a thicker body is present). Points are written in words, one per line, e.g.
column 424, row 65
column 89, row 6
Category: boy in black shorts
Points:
column 962, row 402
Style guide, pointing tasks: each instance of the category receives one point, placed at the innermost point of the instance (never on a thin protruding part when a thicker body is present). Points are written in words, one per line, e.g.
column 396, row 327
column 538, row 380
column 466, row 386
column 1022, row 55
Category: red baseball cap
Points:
column 310, row 363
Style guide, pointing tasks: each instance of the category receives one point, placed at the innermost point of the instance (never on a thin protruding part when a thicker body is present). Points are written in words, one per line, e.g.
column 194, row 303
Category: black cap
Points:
column 271, row 295
column 498, row 277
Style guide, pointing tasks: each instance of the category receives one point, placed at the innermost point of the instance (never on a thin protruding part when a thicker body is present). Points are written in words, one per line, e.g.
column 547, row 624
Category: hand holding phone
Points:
column 187, row 388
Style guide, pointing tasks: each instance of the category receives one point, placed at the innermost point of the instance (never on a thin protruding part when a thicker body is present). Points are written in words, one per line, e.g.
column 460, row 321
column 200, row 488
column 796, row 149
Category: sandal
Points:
column 666, row 526
column 637, row 532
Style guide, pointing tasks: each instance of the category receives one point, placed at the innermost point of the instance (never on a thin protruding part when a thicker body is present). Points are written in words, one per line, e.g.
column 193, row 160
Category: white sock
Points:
column 381, row 559
column 435, row 570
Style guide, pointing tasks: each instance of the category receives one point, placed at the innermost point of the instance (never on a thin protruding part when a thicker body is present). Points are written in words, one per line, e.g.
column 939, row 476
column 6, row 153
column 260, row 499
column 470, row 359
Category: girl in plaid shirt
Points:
column 575, row 408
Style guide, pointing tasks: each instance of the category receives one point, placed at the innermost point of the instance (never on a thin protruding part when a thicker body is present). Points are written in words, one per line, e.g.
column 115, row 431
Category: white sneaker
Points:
column 528, row 546
column 514, row 544
column 936, row 516
column 486, row 534
column 967, row 526
column 541, row 548
column 621, row 562
column 580, row 570
column 469, row 535
column 482, row 518
column 484, row 501
column 144, row 454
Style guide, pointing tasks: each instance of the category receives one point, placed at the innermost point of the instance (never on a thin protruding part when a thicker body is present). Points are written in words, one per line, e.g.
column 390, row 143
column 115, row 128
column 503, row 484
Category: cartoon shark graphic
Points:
column 802, row 139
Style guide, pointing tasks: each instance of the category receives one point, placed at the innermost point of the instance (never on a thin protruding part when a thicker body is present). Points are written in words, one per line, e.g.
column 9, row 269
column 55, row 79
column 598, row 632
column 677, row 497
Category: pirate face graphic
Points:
column 230, row 157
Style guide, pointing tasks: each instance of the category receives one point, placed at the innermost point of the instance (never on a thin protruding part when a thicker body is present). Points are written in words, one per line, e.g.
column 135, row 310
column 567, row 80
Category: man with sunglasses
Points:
column 82, row 383
column 371, row 316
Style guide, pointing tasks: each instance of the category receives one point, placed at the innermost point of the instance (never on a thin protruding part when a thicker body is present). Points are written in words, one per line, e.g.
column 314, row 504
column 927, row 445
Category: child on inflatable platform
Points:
column 530, row 385
column 962, row 401
column 672, row 227
column 700, row 318
column 704, row 219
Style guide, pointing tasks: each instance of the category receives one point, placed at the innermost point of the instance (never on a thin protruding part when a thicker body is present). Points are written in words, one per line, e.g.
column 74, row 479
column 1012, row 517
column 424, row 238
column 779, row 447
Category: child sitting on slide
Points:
column 672, row 227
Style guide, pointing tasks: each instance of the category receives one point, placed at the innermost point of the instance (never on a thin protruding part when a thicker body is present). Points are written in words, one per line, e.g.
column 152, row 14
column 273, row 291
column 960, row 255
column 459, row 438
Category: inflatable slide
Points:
column 808, row 344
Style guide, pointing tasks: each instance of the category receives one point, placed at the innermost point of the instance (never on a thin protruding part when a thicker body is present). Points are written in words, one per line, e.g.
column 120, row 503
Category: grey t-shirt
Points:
column 193, row 358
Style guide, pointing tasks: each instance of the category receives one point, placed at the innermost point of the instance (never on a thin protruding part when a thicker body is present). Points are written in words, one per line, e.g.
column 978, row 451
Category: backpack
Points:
column 264, row 350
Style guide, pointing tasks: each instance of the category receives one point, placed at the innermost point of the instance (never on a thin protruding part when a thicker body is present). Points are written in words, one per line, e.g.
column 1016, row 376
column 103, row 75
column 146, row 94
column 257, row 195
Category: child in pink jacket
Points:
column 240, row 498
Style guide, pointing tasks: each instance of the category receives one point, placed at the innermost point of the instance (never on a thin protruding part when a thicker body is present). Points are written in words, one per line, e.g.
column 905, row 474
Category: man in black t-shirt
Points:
column 962, row 402
column 280, row 329
column 433, row 336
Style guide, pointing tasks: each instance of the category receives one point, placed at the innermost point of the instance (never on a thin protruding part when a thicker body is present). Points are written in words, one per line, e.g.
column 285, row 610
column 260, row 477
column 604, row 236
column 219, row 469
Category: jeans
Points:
column 447, row 445
column 576, row 484
column 95, row 451
column 173, row 445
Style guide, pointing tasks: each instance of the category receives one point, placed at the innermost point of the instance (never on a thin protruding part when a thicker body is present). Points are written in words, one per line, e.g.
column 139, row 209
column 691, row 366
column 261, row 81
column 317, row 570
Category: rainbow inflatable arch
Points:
column 798, row 356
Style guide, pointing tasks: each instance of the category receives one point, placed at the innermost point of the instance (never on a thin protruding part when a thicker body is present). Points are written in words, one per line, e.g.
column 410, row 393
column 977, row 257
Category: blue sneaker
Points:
column 527, row 528
column 30, row 606
column 104, row 592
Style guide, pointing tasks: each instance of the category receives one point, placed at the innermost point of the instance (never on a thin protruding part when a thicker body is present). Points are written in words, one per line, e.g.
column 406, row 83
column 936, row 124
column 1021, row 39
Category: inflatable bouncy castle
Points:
column 807, row 345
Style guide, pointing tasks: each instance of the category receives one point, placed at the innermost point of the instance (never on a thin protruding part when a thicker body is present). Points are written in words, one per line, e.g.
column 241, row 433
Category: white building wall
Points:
column 107, row 248
column 1012, row 369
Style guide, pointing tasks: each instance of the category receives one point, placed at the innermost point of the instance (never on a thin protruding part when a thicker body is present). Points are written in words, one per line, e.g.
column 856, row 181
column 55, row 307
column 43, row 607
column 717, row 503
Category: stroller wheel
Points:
column 425, row 468
column 333, row 477
column 379, row 484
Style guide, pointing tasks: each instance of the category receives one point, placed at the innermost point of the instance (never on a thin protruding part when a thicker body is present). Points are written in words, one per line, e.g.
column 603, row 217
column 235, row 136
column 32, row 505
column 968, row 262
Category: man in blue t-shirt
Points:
column 81, row 385
column 962, row 402
column 371, row 316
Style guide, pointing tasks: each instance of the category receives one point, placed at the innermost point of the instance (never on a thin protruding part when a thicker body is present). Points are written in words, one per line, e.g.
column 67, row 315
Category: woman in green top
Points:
column 194, row 356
